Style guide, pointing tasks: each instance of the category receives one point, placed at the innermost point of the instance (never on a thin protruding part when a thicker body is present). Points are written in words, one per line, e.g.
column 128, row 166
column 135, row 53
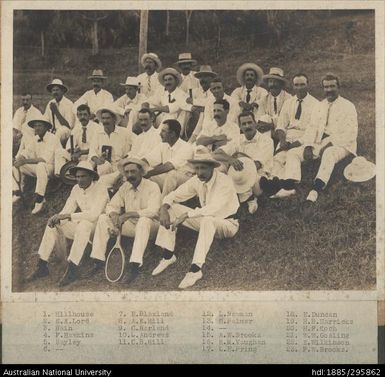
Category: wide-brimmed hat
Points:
column 97, row 74
column 57, row 82
column 249, row 66
column 360, row 170
column 152, row 56
column 202, row 155
column 40, row 119
column 131, row 81
column 132, row 160
column 170, row 71
column 243, row 179
column 186, row 57
column 275, row 73
column 112, row 108
column 84, row 165
column 205, row 70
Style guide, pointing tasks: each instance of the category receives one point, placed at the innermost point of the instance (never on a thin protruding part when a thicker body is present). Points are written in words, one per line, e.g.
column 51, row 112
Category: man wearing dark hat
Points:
column 97, row 96
column 148, row 80
column 272, row 103
column 59, row 111
column 133, row 212
column 37, row 160
column 76, row 221
column 214, row 218
column 249, row 94
column 189, row 81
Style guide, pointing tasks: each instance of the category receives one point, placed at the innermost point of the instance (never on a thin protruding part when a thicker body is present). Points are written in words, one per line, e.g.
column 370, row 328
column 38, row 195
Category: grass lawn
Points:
column 285, row 245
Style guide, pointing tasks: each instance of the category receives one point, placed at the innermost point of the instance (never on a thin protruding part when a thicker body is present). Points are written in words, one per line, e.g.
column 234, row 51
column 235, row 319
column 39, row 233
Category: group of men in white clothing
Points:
column 174, row 135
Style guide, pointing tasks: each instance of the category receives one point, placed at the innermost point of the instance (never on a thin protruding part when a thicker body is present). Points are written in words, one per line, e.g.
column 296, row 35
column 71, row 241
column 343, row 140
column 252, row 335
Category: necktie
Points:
column 169, row 98
column 248, row 97
column 325, row 133
column 275, row 105
column 40, row 140
column 204, row 194
column 149, row 84
column 84, row 135
column 299, row 109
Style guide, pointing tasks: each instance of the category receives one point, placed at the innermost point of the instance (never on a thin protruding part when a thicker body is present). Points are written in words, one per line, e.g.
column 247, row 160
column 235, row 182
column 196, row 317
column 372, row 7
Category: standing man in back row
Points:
column 148, row 80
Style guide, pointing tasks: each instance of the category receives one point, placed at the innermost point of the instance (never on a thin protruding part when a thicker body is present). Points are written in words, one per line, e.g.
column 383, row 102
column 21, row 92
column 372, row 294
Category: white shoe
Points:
column 313, row 196
column 190, row 279
column 15, row 198
column 38, row 207
column 283, row 194
column 163, row 264
column 252, row 205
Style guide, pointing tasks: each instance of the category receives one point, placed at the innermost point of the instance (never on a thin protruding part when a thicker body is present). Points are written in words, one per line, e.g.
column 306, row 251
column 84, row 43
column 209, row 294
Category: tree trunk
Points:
column 42, row 39
column 167, row 23
column 142, row 35
column 188, row 17
column 95, row 42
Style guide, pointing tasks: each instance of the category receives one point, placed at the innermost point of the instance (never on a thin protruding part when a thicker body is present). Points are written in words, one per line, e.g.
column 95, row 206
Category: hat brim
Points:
column 249, row 66
column 97, row 77
column 192, row 61
column 73, row 171
column 177, row 75
column 155, row 60
column 198, row 75
column 251, row 175
column 50, row 86
column 122, row 163
column 365, row 175
column 283, row 79
column 117, row 115
column 204, row 161
column 33, row 122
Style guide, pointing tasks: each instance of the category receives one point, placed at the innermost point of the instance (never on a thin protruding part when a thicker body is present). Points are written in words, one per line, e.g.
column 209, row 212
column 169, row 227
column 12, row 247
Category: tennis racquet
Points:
column 115, row 263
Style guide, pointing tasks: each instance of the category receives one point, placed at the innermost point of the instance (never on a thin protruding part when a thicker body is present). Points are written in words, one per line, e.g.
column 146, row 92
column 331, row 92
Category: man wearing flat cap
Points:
column 36, row 160
column 148, row 80
column 185, row 64
column 130, row 103
column 76, row 221
column 249, row 94
column 59, row 111
column 216, row 216
column 132, row 212
column 97, row 96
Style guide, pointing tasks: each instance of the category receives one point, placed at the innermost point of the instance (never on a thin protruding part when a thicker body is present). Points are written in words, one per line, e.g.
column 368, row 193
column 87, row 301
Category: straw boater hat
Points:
column 57, row 82
column 40, row 119
column 247, row 66
column 360, row 170
column 112, row 109
column 170, row 71
column 275, row 73
column 243, row 179
column 97, row 74
column 152, row 56
column 131, row 81
column 132, row 160
column 84, row 165
column 205, row 70
column 202, row 155
column 186, row 57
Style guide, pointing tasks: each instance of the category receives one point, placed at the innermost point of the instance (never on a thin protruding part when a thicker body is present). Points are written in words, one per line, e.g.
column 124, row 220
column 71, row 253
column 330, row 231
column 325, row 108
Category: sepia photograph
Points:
column 202, row 150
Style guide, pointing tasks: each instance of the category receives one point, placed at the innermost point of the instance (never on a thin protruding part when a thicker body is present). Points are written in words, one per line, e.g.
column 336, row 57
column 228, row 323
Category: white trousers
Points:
column 207, row 226
column 62, row 132
column 279, row 162
column 171, row 180
column 80, row 232
column 41, row 171
column 330, row 157
column 140, row 229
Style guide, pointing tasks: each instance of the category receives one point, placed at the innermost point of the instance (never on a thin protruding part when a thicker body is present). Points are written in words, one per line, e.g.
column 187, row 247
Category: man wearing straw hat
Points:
column 148, row 80
column 131, row 102
column 271, row 104
column 109, row 145
column 189, row 81
column 249, row 94
column 140, row 200
column 76, row 221
column 36, row 160
column 216, row 216
column 59, row 111
column 97, row 96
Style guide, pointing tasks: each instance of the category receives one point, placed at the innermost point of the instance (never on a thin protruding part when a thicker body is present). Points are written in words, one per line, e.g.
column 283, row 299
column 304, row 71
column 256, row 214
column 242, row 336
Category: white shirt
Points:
column 94, row 100
column 295, row 128
column 42, row 149
column 119, row 140
column 208, row 114
column 65, row 107
column 266, row 105
column 201, row 97
column 256, row 94
column 189, row 82
column 217, row 199
column 337, row 119
column 91, row 129
column 145, row 142
column 125, row 102
column 149, row 84
column 178, row 154
column 145, row 199
column 22, row 117
column 91, row 202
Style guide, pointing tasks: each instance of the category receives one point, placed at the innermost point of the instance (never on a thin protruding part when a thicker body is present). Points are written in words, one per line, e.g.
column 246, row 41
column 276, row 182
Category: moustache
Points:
column 217, row 117
column 247, row 129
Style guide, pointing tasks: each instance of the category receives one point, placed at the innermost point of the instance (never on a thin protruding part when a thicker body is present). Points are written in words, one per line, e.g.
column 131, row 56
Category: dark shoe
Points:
column 270, row 186
column 70, row 275
column 41, row 271
column 132, row 272
column 97, row 267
